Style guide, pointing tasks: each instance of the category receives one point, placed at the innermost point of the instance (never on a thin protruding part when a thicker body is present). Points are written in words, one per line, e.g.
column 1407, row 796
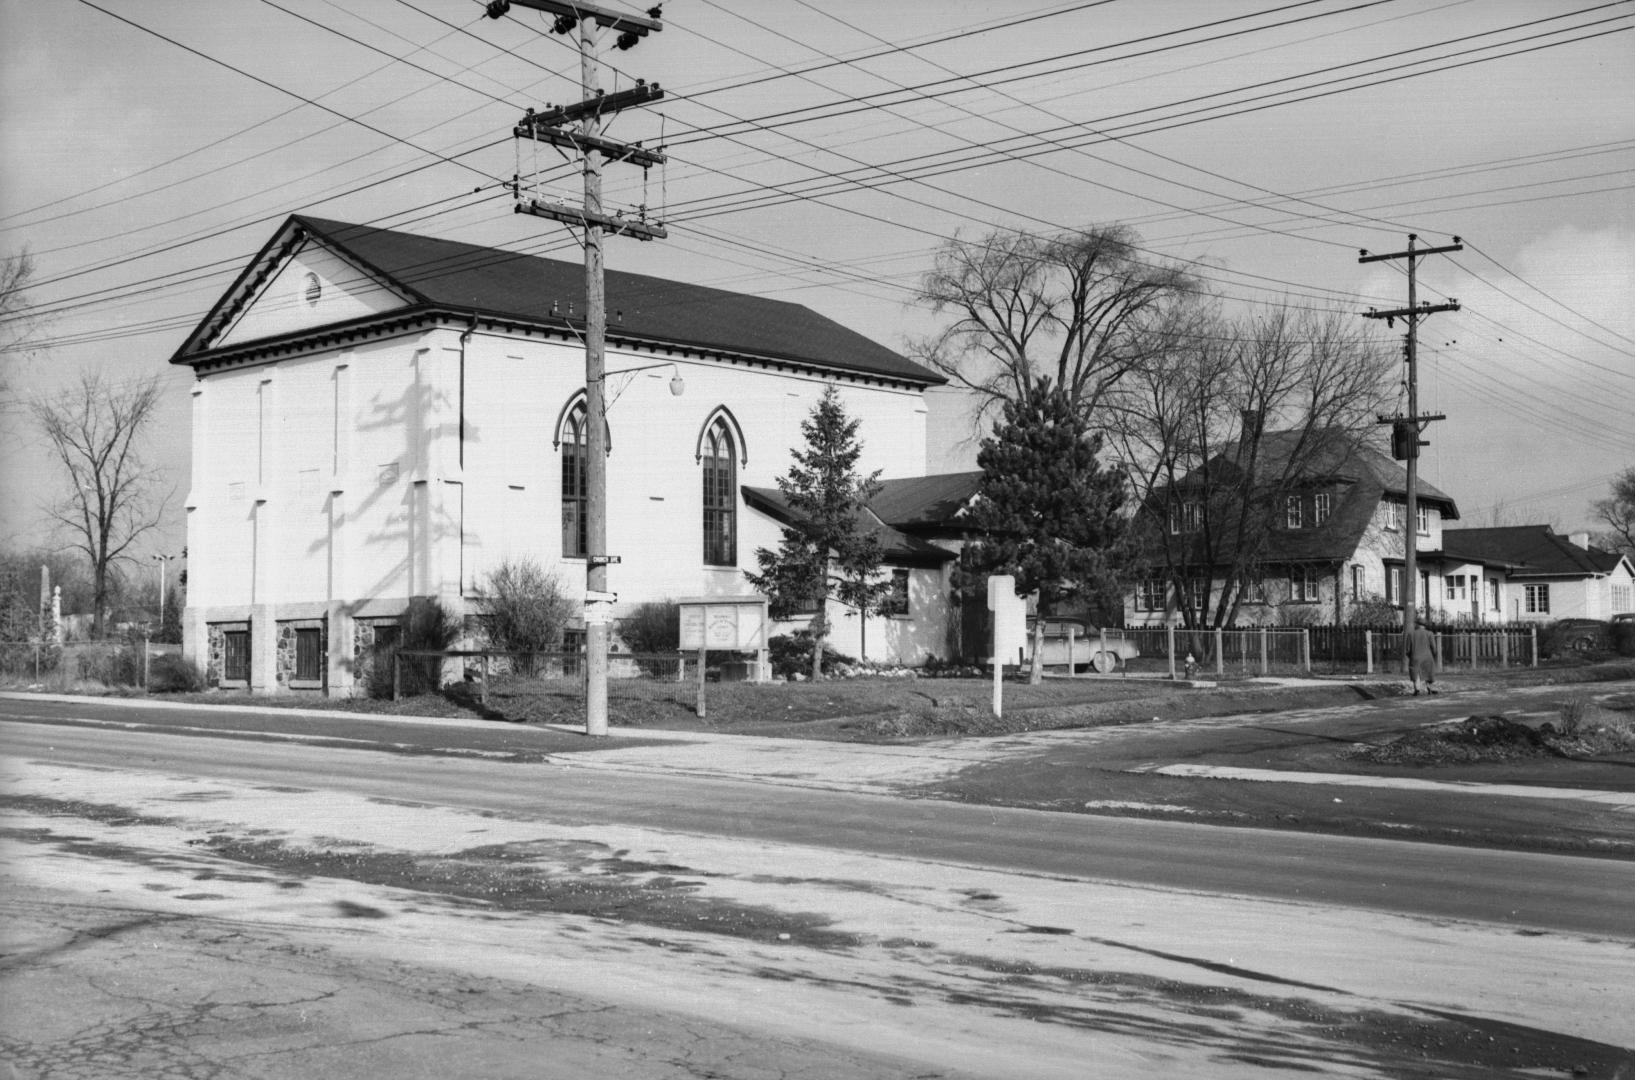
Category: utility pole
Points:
column 552, row 127
column 1405, row 430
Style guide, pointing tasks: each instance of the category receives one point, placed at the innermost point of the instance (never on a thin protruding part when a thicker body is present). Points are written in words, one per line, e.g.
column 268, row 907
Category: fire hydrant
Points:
column 1191, row 665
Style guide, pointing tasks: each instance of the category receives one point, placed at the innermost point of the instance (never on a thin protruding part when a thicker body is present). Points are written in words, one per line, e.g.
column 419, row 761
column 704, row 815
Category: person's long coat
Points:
column 1422, row 654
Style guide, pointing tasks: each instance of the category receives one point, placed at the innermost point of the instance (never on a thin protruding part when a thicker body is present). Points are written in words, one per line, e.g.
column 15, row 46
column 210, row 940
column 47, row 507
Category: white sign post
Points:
column 1010, row 628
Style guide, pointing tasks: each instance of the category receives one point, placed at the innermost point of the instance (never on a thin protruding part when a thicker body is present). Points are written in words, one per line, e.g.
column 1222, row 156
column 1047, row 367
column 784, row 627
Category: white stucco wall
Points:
column 352, row 479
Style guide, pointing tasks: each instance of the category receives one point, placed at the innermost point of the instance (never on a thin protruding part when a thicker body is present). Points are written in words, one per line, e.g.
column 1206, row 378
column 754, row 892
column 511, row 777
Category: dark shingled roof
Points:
column 925, row 502
column 1356, row 474
column 898, row 546
column 460, row 278
column 1534, row 550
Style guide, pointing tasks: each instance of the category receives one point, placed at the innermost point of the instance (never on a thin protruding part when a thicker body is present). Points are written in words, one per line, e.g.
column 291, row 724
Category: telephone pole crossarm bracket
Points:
column 1413, row 253
column 643, row 93
column 574, row 215
column 1402, row 313
column 618, row 21
column 573, row 140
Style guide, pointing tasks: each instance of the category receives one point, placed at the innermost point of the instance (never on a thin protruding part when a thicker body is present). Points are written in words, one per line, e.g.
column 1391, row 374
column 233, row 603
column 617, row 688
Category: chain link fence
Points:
column 118, row 663
column 554, row 682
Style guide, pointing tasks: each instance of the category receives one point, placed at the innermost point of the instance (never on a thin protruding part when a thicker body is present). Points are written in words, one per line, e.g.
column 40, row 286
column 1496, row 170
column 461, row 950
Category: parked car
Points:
column 1576, row 635
column 1623, row 617
column 1073, row 641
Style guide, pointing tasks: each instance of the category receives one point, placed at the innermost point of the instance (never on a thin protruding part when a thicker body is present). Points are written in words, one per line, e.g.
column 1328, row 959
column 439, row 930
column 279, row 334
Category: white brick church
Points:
column 379, row 416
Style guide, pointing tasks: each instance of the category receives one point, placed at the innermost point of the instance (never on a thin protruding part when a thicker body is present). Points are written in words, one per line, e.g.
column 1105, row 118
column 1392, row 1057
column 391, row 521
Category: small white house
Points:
column 1552, row 576
column 379, row 416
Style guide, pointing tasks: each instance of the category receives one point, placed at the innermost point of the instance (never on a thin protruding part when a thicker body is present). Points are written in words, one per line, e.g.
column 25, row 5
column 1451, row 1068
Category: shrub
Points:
column 791, row 655
column 428, row 626
column 653, row 628
column 523, row 611
column 171, row 673
column 377, row 679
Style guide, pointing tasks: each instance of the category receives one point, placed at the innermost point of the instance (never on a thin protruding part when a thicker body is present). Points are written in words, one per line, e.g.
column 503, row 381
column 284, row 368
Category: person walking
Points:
column 1424, row 655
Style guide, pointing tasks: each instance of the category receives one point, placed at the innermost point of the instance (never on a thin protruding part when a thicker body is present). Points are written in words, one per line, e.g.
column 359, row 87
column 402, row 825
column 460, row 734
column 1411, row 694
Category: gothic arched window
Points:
column 575, row 456
column 720, row 496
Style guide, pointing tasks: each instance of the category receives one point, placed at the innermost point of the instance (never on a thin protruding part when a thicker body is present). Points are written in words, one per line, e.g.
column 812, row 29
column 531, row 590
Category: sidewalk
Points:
column 869, row 768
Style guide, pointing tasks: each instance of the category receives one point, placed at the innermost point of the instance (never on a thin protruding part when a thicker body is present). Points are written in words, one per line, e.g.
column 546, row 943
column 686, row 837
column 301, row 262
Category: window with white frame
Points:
column 1393, row 585
column 1149, row 594
column 1621, row 598
column 1455, row 587
column 1356, row 584
column 1321, row 503
column 1391, row 513
column 1293, row 516
column 1423, row 513
column 1536, row 599
column 1197, row 592
column 1303, row 585
column 1493, row 594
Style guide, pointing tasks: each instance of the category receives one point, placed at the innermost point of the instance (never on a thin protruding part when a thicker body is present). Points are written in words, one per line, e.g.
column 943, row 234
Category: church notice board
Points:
column 728, row 623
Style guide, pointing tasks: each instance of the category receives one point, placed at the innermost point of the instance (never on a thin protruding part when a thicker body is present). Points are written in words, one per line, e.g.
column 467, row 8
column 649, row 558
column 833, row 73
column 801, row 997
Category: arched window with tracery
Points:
column 575, row 456
column 720, row 495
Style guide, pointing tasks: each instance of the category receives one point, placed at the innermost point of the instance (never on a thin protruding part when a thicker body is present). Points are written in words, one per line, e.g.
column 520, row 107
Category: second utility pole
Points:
column 1405, row 430
column 586, row 139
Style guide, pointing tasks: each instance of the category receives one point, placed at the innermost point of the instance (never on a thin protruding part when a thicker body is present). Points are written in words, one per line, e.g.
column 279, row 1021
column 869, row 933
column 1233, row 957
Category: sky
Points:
column 821, row 152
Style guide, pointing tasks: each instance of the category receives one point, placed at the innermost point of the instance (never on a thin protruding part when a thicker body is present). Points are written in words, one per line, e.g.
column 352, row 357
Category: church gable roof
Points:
column 462, row 280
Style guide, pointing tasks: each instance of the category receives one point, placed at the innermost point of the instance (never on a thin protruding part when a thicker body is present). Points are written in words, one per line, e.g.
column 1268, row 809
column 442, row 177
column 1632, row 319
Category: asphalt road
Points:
column 1532, row 891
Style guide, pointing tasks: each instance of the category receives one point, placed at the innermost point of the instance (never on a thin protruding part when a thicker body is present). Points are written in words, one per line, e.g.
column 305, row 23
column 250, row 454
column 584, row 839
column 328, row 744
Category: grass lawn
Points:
column 862, row 709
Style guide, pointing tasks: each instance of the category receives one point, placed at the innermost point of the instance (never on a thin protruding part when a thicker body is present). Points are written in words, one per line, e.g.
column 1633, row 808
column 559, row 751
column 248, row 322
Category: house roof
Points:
column 1357, row 476
column 897, row 545
column 922, row 502
column 463, row 280
column 1534, row 551
column 1340, row 456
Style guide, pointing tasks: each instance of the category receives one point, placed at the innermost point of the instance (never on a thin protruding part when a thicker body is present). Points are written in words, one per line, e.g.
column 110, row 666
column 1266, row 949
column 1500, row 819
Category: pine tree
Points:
column 827, row 552
column 1046, row 511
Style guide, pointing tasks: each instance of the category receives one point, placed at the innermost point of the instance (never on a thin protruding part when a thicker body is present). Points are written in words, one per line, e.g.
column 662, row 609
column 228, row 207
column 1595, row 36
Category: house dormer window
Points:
column 1185, row 517
column 1393, row 512
column 1293, row 512
column 1423, row 513
column 1320, row 506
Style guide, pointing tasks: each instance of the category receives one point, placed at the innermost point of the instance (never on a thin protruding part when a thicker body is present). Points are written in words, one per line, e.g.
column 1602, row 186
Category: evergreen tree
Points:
column 827, row 552
column 1046, row 511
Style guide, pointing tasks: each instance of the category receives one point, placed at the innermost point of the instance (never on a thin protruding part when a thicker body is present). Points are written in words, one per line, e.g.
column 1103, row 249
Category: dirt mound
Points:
column 1475, row 739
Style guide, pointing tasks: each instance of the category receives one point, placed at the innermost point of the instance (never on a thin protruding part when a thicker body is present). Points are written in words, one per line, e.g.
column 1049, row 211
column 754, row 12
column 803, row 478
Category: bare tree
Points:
column 96, row 429
column 1080, row 309
column 17, row 320
column 1618, row 512
column 1220, row 430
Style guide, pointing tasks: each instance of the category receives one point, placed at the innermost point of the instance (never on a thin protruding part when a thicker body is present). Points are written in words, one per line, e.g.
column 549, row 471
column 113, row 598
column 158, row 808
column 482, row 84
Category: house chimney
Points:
column 1252, row 419
column 1580, row 539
